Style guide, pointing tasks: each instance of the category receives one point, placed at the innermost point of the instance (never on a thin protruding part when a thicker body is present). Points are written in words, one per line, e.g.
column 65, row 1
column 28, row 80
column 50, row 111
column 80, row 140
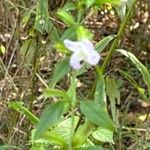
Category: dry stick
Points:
column 7, row 70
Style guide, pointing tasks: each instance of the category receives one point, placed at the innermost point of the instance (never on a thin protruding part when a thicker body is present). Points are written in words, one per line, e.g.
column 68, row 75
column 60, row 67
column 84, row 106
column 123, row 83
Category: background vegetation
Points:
column 45, row 104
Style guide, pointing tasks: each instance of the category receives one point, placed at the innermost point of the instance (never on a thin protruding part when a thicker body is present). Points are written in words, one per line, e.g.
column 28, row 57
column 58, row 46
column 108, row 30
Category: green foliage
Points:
column 81, row 135
column 7, row 147
column 69, row 6
column 42, row 18
column 70, row 33
column 100, row 46
column 93, row 148
column 144, row 71
column 18, row 106
column 50, row 116
column 100, row 93
column 83, row 33
column 28, row 50
column 121, row 9
column 66, row 17
column 113, row 93
column 56, row 93
column 2, row 49
column 103, row 135
column 61, row 69
column 134, row 83
column 72, row 90
column 72, row 121
column 96, row 114
column 113, row 2
column 26, row 17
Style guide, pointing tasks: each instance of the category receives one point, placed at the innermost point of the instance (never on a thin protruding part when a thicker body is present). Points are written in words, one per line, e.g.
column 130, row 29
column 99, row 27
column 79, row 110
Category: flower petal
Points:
column 93, row 58
column 75, row 62
column 88, row 46
column 72, row 46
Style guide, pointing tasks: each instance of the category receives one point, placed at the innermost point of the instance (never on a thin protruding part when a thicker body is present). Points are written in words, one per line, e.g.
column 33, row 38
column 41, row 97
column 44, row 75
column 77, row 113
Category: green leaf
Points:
column 72, row 90
column 89, row 3
column 101, row 45
column 56, row 92
column 50, row 116
column 8, row 147
column 54, row 138
column 96, row 114
column 2, row 49
column 60, row 47
column 130, row 3
column 18, row 106
column 61, row 132
column 61, row 69
column 26, row 18
column 134, row 83
column 113, row 2
column 70, row 33
column 121, row 9
column 100, row 93
column 113, row 93
column 69, row 6
column 83, row 33
column 103, row 135
column 42, row 18
column 144, row 71
column 28, row 49
column 53, row 33
column 66, row 17
column 82, row 134
column 93, row 148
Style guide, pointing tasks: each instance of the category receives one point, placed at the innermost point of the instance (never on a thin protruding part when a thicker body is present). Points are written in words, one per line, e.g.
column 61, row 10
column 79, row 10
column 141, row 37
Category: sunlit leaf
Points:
column 61, row 69
column 18, row 106
column 53, row 33
column 113, row 93
column 122, row 8
column 103, row 135
column 50, row 116
column 101, row 45
column 26, row 17
column 69, row 33
column 42, row 20
column 57, row 93
column 100, row 93
column 89, row 3
column 8, row 147
column 28, row 49
column 66, row 17
column 144, row 71
column 96, row 114
column 82, row 134
column 134, row 83
column 72, row 90
column 69, row 6
column 83, row 33
column 2, row 49
column 60, row 135
column 93, row 148
column 113, row 2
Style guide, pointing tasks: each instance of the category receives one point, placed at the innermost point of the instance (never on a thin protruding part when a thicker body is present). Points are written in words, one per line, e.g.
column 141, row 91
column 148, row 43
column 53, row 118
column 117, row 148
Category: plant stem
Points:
column 118, row 37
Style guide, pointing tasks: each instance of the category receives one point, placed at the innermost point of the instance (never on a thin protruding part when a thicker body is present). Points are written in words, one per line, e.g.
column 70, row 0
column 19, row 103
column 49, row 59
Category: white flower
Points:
column 82, row 51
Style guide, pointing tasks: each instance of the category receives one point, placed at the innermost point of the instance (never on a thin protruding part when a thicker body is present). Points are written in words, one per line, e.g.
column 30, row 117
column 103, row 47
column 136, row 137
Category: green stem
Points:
column 118, row 37
column 84, row 131
column 82, row 134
